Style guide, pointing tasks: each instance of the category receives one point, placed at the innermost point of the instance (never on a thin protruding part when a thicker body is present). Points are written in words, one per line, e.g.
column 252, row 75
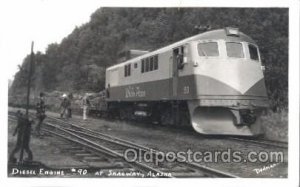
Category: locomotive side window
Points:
column 208, row 49
column 155, row 62
column 127, row 70
column 234, row 50
column 253, row 52
column 149, row 64
column 143, row 66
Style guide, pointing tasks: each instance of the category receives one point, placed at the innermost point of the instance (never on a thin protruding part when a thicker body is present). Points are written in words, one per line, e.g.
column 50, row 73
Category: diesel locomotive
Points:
column 212, row 81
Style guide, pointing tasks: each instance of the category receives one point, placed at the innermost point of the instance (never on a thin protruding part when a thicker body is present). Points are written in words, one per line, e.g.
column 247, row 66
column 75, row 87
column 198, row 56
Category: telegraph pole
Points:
column 29, row 78
column 27, row 102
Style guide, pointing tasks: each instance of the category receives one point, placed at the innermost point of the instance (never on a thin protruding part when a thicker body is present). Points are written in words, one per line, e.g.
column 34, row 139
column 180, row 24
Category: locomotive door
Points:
column 177, row 58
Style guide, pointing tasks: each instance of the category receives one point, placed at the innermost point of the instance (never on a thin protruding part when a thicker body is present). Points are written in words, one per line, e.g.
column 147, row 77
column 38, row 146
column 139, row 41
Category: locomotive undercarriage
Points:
column 205, row 120
column 164, row 113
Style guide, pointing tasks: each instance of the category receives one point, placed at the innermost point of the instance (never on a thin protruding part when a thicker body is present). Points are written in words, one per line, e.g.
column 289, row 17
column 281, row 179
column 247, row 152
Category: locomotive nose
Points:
column 223, row 89
column 248, row 79
column 232, row 78
column 218, row 120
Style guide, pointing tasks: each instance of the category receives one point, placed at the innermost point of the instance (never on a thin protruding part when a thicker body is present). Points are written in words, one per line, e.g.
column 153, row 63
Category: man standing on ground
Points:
column 85, row 105
column 64, row 106
column 70, row 98
column 40, row 112
column 23, row 129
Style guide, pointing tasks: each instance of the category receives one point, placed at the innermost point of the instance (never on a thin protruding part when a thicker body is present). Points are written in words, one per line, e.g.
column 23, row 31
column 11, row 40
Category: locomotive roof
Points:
column 219, row 34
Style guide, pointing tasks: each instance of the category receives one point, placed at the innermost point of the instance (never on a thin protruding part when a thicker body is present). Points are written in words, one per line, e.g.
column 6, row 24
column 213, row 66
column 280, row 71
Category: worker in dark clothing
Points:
column 40, row 112
column 23, row 130
column 70, row 97
column 107, row 91
column 64, row 106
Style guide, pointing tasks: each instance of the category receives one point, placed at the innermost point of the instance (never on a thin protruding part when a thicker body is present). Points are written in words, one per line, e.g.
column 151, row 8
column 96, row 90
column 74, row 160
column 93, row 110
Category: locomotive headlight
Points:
column 230, row 31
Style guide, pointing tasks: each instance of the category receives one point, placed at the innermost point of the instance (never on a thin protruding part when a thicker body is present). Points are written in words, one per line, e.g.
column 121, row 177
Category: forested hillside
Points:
column 78, row 63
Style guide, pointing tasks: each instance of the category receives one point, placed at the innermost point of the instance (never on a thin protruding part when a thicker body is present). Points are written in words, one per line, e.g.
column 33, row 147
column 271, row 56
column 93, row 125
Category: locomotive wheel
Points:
column 166, row 117
column 156, row 116
column 185, row 119
column 126, row 113
column 122, row 114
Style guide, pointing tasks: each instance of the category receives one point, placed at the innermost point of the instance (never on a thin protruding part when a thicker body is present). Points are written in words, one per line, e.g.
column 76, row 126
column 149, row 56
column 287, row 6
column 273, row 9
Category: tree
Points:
column 79, row 61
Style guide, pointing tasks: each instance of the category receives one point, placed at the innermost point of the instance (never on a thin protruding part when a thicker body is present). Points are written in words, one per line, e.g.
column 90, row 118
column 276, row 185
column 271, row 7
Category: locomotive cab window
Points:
column 253, row 51
column 234, row 50
column 178, row 57
column 208, row 49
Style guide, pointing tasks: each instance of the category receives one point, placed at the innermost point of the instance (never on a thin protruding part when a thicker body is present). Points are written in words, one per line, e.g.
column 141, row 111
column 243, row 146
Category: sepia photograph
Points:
column 187, row 92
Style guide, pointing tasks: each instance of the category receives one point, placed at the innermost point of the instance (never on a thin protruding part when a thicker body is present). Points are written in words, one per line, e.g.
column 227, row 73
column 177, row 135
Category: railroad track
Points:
column 118, row 147
column 113, row 148
column 261, row 142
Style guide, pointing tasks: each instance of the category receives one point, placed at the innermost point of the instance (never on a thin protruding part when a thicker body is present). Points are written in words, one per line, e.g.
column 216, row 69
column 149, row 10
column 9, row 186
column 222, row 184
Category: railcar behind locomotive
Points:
column 213, row 81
